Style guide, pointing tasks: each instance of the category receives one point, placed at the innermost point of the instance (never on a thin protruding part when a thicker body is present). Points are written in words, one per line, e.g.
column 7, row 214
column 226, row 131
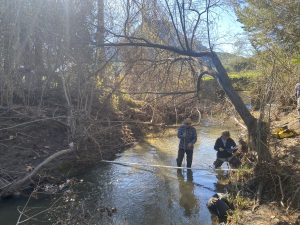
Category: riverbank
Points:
column 47, row 136
column 277, row 200
column 29, row 137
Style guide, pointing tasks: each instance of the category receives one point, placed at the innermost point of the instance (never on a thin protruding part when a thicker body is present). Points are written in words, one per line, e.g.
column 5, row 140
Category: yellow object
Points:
column 283, row 132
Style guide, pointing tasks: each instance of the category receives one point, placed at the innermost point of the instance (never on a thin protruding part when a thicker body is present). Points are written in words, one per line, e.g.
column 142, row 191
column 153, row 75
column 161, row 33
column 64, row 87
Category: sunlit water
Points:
column 148, row 195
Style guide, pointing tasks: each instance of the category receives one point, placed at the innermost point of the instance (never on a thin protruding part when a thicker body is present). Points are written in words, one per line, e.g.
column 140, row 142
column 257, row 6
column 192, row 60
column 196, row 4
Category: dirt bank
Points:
column 27, row 139
column 278, row 201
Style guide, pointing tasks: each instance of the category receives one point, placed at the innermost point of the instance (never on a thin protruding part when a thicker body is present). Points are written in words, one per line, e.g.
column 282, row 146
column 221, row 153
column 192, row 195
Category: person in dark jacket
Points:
column 188, row 137
column 225, row 147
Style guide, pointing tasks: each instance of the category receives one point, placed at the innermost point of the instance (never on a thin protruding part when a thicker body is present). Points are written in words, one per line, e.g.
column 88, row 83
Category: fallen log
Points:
column 16, row 185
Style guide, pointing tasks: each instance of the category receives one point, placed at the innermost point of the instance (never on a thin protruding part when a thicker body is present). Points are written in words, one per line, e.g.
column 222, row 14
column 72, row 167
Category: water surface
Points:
column 147, row 195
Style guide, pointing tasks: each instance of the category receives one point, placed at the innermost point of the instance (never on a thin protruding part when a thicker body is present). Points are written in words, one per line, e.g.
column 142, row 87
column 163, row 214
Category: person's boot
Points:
column 178, row 163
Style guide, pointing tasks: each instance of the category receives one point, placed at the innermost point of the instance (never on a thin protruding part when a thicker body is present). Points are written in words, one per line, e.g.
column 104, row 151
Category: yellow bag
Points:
column 283, row 132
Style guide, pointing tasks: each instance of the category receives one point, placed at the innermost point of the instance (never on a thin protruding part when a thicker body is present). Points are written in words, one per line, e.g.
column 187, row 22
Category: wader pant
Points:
column 234, row 162
column 189, row 157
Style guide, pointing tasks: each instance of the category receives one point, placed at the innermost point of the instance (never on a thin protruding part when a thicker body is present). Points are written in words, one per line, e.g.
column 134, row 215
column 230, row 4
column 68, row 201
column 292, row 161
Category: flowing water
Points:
column 148, row 195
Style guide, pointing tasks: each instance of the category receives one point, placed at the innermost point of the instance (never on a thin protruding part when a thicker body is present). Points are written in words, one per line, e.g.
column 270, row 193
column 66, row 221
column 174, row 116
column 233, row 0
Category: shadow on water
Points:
column 148, row 195
column 187, row 198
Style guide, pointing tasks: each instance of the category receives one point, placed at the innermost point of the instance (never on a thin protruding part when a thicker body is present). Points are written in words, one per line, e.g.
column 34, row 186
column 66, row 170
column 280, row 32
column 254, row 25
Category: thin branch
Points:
column 34, row 121
column 23, row 210
column 207, row 24
column 182, row 22
column 196, row 25
column 39, row 213
column 174, row 25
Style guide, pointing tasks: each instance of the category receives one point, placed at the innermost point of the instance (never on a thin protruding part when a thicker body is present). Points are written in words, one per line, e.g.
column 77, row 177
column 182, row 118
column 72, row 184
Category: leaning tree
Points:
column 189, row 26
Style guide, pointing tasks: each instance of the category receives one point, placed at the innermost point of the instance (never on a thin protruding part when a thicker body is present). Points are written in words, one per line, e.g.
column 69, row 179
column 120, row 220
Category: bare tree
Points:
column 185, row 22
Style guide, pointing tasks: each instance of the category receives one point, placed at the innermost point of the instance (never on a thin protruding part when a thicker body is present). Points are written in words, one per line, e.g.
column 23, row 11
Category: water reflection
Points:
column 187, row 198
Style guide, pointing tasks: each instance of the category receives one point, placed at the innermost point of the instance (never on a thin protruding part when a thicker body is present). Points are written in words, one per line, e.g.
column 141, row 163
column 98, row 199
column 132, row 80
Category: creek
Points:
column 146, row 195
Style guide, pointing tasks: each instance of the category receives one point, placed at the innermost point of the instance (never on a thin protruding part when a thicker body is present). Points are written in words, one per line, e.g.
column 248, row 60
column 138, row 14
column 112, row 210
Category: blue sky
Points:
column 225, row 31
column 228, row 31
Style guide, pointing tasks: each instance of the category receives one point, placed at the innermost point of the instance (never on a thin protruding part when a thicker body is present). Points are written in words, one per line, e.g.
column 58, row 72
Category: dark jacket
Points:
column 186, row 134
column 219, row 205
column 227, row 148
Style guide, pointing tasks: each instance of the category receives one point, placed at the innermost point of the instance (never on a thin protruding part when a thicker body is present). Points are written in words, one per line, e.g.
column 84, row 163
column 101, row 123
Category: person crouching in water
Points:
column 225, row 147
column 188, row 137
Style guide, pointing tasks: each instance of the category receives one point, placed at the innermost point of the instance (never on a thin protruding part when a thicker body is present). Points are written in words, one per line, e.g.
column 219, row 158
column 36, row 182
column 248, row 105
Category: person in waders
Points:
column 188, row 137
column 225, row 147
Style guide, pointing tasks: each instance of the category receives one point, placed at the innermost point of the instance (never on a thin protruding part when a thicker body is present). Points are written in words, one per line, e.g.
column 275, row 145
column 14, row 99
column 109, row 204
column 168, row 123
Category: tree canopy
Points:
column 271, row 22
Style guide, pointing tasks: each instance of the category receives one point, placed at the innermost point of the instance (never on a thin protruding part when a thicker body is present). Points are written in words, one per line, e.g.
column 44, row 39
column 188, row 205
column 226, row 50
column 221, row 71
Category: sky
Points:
column 228, row 31
column 225, row 32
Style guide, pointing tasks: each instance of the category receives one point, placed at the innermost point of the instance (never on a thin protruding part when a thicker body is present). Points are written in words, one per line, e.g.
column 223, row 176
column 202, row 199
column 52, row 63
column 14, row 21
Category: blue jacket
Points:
column 227, row 147
column 186, row 134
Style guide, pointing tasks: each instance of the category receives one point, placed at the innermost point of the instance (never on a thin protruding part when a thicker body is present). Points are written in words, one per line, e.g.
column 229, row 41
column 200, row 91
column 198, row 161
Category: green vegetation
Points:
column 236, row 63
column 271, row 23
column 248, row 74
column 240, row 203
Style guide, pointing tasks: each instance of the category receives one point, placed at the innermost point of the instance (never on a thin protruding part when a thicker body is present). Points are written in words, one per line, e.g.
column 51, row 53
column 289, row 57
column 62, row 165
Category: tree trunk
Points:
column 7, row 85
column 100, row 54
column 100, row 33
column 257, row 129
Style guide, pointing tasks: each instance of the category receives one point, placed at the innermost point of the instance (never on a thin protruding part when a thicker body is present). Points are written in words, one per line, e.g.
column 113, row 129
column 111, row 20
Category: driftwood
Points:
column 16, row 185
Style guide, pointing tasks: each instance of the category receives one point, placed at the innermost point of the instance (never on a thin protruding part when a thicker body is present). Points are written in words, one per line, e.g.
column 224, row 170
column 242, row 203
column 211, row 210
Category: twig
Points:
column 35, row 215
column 281, row 190
column 34, row 121
column 23, row 210
column 296, row 192
column 259, row 193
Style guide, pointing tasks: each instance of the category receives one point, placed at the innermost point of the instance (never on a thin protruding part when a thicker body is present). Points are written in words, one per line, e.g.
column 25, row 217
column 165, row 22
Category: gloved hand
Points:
column 234, row 148
column 221, row 149
column 214, row 200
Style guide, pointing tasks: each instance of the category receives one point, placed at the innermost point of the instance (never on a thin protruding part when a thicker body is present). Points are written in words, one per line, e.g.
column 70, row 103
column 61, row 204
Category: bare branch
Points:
column 34, row 121
column 181, row 10
column 174, row 25
column 159, row 46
